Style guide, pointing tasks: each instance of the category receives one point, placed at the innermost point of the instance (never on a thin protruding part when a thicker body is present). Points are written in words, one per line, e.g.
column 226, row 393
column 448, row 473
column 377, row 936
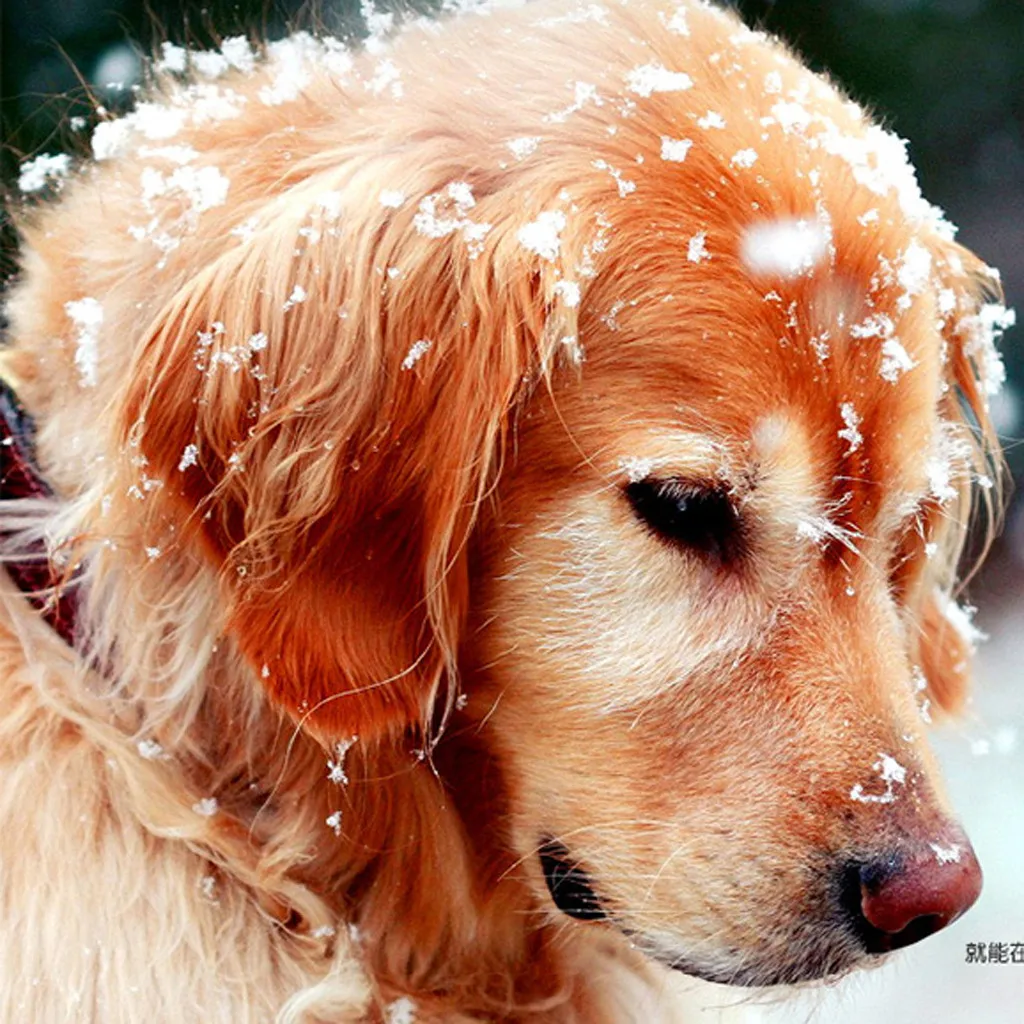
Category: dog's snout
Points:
column 903, row 897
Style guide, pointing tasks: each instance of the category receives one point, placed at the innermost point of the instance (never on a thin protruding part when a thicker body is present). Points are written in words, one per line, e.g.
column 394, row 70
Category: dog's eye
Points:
column 698, row 517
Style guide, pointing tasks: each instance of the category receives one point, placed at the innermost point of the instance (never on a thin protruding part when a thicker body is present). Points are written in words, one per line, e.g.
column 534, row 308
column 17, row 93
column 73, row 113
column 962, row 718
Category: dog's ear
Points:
column 944, row 652
column 972, row 318
column 321, row 409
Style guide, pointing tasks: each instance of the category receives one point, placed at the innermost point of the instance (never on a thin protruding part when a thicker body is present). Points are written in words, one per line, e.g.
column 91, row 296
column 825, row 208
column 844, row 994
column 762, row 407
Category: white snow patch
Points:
column 174, row 59
column 982, row 332
column 401, row 1011
column 851, row 427
column 207, row 807
column 568, row 292
column 744, row 158
column 651, row 78
column 877, row 325
column 785, row 248
column 235, row 52
column 940, row 478
column 624, row 184
column 879, row 161
column 333, row 821
column 891, row 772
column 543, row 235
column 87, row 316
column 287, row 62
column 150, row 750
column 946, row 301
column 583, row 93
column 208, row 102
column 299, row 294
column 189, row 457
column 204, row 187
column 391, row 198
column 379, row 24
column 416, row 352
column 573, row 349
column 712, row 119
column 336, row 765
column 920, row 690
column 387, row 77
column 915, row 269
column 523, row 146
column 209, row 63
column 239, row 53
column 818, row 529
column 895, row 360
column 246, row 229
column 155, row 121
column 36, row 174
column 636, row 468
column 109, row 139
column 677, row 22
column 792, row 117
column 961, row 617
column 675, row 150
column 446, row 212
column 696, row 249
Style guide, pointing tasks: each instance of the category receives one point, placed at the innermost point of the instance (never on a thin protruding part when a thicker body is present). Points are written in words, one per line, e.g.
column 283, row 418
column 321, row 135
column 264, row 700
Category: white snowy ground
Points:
column 930, row 983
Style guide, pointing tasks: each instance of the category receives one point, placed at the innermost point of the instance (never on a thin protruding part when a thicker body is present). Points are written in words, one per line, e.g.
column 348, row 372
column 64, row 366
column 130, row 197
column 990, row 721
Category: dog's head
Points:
column 641, row 411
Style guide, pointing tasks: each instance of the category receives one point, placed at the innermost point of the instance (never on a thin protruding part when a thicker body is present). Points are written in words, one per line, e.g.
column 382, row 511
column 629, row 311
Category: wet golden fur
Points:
column 357, row 544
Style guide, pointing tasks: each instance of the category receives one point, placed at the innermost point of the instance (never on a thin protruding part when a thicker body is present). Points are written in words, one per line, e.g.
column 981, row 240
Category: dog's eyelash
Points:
column 696, row 516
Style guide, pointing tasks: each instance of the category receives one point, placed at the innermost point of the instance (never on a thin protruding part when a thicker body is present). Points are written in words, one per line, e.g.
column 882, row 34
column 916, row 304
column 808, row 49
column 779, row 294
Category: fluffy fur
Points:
column 364, row 620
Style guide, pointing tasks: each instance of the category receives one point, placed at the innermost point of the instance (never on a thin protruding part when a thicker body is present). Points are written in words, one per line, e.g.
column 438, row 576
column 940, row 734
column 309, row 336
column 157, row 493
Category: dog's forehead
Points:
column 836, row 329
column 725, row 352
column 792, row 389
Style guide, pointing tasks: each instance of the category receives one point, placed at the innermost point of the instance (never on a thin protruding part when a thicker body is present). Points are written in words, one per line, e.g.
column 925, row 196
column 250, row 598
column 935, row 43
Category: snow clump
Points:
column 87, row 315
column 891, row 772
column 416, row 352
column 651, row 78
column 784, row 248
column 543, row 235
column 36, row 174
column 675, row 150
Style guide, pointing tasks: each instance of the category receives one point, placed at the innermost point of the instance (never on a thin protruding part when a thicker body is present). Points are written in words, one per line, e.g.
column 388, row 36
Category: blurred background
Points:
column 946, row 74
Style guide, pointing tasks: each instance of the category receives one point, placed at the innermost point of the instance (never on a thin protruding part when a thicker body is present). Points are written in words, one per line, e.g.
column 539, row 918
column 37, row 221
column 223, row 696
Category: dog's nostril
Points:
column 895, row 901
column 569, row 884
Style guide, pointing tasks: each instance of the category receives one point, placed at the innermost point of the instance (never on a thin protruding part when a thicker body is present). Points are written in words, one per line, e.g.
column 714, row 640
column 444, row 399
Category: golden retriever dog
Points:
column 498, row 498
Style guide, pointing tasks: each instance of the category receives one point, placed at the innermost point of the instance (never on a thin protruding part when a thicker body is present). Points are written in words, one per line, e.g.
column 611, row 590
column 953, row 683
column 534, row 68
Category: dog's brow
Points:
column 675, row 453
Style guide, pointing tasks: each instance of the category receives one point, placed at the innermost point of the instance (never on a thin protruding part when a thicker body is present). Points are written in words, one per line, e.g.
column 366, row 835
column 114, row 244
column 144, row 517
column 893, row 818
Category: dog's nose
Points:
column 900, row 899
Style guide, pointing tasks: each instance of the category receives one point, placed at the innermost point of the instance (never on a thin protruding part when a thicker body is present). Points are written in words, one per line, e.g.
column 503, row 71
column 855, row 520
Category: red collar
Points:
column 31, row 570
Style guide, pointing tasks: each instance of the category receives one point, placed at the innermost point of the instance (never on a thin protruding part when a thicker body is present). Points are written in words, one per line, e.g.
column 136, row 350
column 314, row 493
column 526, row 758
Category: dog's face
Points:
column 698, row 635
column 654, row 439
